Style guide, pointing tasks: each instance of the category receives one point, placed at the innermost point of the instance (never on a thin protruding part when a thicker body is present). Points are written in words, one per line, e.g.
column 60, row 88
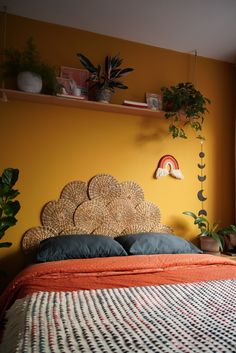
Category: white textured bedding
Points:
column 182, row 318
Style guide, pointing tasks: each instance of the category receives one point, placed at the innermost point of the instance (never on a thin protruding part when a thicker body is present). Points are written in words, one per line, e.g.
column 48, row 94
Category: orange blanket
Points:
column 111, row 272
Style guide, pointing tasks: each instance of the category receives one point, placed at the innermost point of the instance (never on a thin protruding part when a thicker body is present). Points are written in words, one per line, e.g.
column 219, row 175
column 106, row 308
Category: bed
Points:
column 108, row 276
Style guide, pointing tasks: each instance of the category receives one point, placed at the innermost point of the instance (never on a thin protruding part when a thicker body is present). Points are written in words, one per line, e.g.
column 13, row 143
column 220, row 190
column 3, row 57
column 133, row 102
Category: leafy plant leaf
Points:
column 11, row 208
column 108, row 75
column 188, row 213
column 86, row 63
column 8, row 207
column 184, row 97
column 5, row 245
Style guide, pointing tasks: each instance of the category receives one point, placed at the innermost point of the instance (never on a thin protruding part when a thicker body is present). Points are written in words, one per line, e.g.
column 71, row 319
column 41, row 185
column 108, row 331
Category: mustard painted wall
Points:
column 52, row 145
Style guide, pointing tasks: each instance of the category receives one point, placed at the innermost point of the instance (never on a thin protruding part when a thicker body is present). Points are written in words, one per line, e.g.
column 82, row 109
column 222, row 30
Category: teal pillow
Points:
column 83, row 246
column 156, row 243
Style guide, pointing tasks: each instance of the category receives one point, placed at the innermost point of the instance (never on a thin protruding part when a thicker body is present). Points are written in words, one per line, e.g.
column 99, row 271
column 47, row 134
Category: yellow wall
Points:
column 53, row 145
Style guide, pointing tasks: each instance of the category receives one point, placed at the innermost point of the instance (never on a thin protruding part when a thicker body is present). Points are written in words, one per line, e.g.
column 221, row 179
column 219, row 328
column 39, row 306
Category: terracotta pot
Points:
column 209, row 244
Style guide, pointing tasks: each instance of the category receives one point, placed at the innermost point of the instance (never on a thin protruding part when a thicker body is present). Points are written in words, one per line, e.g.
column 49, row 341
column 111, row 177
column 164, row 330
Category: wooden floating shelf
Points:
column 8, row 95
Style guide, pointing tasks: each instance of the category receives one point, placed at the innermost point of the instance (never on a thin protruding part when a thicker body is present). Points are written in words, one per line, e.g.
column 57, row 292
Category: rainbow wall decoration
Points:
column 168, row 165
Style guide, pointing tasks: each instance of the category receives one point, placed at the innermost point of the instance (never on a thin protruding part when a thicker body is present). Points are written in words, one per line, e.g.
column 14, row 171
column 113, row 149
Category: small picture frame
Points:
column 154, row 101
column 64, row 87
column 78, row 81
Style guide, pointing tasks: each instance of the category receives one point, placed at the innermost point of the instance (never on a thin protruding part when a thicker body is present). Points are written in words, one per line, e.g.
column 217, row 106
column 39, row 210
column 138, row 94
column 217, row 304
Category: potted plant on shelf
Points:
column 105, row 79
column 8, row 207
column 184, row 105
column 31, row 73
column 211, row 240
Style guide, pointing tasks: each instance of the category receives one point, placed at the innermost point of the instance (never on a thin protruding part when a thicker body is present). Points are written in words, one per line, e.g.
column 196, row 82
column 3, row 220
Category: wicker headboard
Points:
column 102, row 206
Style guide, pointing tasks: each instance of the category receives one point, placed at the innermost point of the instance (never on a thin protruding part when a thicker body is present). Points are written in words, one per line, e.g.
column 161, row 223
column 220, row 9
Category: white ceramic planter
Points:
column 29, row 82
column 104, row 95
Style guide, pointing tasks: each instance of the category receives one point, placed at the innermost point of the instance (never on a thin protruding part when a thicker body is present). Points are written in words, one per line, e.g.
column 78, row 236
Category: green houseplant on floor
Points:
column 208, row 232
column 105, row 78
column 8, row 207
column 185, row 106
column 31, row 73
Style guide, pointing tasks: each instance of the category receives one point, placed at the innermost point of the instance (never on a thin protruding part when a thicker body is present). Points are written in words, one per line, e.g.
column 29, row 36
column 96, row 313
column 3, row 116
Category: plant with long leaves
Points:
column 184, row 105
column 106, row 76
column 8, row 207
column 207, row 229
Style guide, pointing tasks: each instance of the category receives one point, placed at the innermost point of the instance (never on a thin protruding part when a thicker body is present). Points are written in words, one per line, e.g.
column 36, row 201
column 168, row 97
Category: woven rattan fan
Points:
column 122, row 212
column 135, row 228
column 103, row 206
column 75, row 191
column 104, row 186
column 74, row 230
column 32, row 238
column 108, row 230
column 163, row 228
column 90, row 215
column 148, row 215
column 132, row 191
column 58, row 214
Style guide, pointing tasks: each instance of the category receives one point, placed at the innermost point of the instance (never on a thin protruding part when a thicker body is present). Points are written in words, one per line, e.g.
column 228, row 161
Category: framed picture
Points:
column 64, row 87
column 78, row 81
column 154, row 101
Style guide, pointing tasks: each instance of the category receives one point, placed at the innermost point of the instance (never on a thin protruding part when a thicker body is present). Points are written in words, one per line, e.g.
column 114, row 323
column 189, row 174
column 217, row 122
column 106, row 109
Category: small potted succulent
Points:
column 31, row 73
column 105, row 79
column 184, row 105
column 211, row 239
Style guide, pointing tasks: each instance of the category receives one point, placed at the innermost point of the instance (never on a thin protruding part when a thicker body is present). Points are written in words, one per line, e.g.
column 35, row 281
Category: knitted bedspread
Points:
column 187, row 318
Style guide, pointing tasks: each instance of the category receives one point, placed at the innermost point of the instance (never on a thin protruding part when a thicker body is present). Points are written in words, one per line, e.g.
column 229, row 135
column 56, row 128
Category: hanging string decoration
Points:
column 201, row 178
column 168, row 165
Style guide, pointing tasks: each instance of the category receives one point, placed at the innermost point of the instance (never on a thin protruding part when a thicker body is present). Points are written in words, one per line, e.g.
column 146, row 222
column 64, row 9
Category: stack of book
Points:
column 135, row 104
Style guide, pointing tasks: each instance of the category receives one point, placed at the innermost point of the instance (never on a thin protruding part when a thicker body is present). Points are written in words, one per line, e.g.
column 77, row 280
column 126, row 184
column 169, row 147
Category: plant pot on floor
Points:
column 29, row 82
column 209, row 245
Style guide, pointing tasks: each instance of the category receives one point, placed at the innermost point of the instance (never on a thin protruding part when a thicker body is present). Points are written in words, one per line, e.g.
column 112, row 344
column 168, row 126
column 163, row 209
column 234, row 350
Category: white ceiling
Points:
column 209, row 26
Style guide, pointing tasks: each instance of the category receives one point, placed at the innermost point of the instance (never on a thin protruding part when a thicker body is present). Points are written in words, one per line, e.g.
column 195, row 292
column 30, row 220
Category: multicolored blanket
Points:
column 182, row 318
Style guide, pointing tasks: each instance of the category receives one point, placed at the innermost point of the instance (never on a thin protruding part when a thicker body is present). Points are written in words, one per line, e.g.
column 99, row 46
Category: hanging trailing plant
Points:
column 185, row 106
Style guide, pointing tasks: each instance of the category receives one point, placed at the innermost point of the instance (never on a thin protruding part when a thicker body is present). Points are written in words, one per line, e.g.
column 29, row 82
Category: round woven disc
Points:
column 163, row 228
column 122, row 213
column 108, row 229
column 74, row 231
column 32, row 237
column 136, row 228
column 104, row 186
column 58, row 214
column 132, row 191
column 148, row 215
column 75, row 191
column 90, row 215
